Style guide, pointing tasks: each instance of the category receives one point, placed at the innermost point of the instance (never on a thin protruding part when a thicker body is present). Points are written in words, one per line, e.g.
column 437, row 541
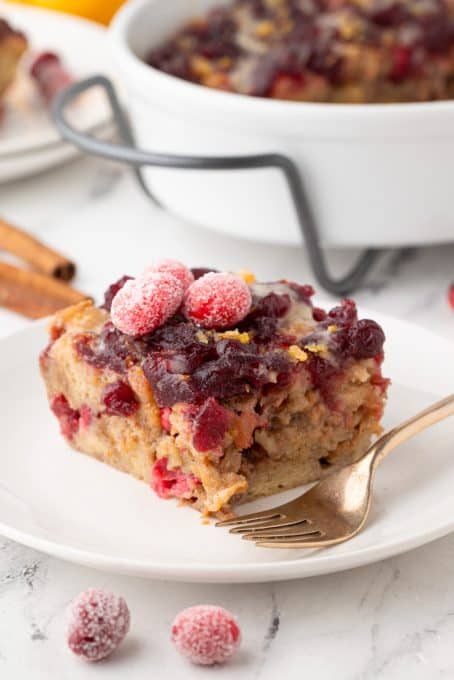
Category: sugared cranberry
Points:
column 99, row 623
column 113, row 290
column 367, row 339
column 218, row 301
column 171, row 483
column 144, row 304
column 206, row 634
column 119, row 399
column 177, row 269
column 210, row 425
column 67, row 416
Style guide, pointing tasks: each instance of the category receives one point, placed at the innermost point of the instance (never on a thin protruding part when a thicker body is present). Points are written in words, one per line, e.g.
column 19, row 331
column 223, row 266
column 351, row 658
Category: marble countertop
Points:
column 393, row 619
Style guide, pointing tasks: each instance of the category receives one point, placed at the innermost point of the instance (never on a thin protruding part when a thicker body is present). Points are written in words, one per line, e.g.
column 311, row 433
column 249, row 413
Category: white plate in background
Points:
column 29, row 141
column 71, row 506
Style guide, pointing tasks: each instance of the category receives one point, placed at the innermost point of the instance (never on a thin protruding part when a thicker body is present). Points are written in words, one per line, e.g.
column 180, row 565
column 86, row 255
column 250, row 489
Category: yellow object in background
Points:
column 97, row 10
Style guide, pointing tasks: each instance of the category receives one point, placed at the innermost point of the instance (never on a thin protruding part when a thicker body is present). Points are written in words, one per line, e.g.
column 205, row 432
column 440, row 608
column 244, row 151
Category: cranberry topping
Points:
column 113, row 290
column 323, row 374
column 112, row 349
column 67, row 416
column 210, row 425
column 167, row 483
column 366, row 339
column 198, row 272
column 318, row 314
column 119, row 399
column 186, row 365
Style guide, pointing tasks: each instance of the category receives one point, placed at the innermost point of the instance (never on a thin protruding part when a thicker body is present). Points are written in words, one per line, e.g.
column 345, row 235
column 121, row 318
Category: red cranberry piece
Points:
column 305, row 292
column 50, row 75
column 210, row 425
column 119, row 399
column 367, row 339
column 345, row 314
column 451, row 295
column 165, row 418
column 86, row 416
column 392, row 15
column 67, row 416
column 318, row 314
column 113, row 290
column 402, row 63
column 172, row 483
column 438, row 33
column 168, row 388
column 323, row 374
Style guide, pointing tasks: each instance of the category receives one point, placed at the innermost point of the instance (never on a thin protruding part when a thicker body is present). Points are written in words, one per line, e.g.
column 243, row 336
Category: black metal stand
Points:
column 127, row 152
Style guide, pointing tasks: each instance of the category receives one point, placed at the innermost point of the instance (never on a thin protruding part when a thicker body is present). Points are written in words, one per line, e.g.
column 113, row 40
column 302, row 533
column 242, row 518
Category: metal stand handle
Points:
column 128, row 153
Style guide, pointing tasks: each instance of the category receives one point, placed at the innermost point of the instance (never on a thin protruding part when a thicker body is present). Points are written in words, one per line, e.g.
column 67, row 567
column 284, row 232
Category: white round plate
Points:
column 29, row 140
column 69, row 505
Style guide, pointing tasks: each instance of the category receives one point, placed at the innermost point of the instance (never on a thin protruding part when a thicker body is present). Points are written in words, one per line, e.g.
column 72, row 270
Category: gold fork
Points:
column 335, row 509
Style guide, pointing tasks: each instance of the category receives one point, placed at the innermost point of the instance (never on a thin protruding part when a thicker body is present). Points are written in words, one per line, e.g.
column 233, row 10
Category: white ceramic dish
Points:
column 71, row 506
column 378, row 175
column 29, row 141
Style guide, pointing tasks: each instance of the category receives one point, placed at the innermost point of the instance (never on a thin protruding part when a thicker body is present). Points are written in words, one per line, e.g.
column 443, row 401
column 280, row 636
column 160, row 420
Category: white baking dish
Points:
column 377, row 175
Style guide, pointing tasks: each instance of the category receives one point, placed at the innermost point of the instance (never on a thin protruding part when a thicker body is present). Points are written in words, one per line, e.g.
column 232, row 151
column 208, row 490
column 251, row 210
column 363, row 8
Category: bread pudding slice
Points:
column 215, row 417
column 12, row 46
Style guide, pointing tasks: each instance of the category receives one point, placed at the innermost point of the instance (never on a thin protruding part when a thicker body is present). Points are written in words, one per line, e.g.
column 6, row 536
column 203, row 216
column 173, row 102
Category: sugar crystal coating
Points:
column 218, row 300
column 144, row 304
column 99, row 621
column 206, row 634
column 177, row 269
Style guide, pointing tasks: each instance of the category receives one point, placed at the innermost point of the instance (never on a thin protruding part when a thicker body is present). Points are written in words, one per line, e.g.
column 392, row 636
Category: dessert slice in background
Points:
column 229, row 390
column 12, row 46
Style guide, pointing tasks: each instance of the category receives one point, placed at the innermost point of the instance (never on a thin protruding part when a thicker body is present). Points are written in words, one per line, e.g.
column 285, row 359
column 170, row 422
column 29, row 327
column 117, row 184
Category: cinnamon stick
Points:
column 39, row 256
column 33, row 294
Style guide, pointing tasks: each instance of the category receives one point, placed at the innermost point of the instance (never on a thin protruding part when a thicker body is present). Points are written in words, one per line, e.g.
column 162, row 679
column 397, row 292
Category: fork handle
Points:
column 421, row 421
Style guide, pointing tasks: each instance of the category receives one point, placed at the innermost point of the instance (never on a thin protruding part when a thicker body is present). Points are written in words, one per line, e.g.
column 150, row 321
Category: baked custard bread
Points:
column 12, row 46
column 345, row 51
column 214, row 388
